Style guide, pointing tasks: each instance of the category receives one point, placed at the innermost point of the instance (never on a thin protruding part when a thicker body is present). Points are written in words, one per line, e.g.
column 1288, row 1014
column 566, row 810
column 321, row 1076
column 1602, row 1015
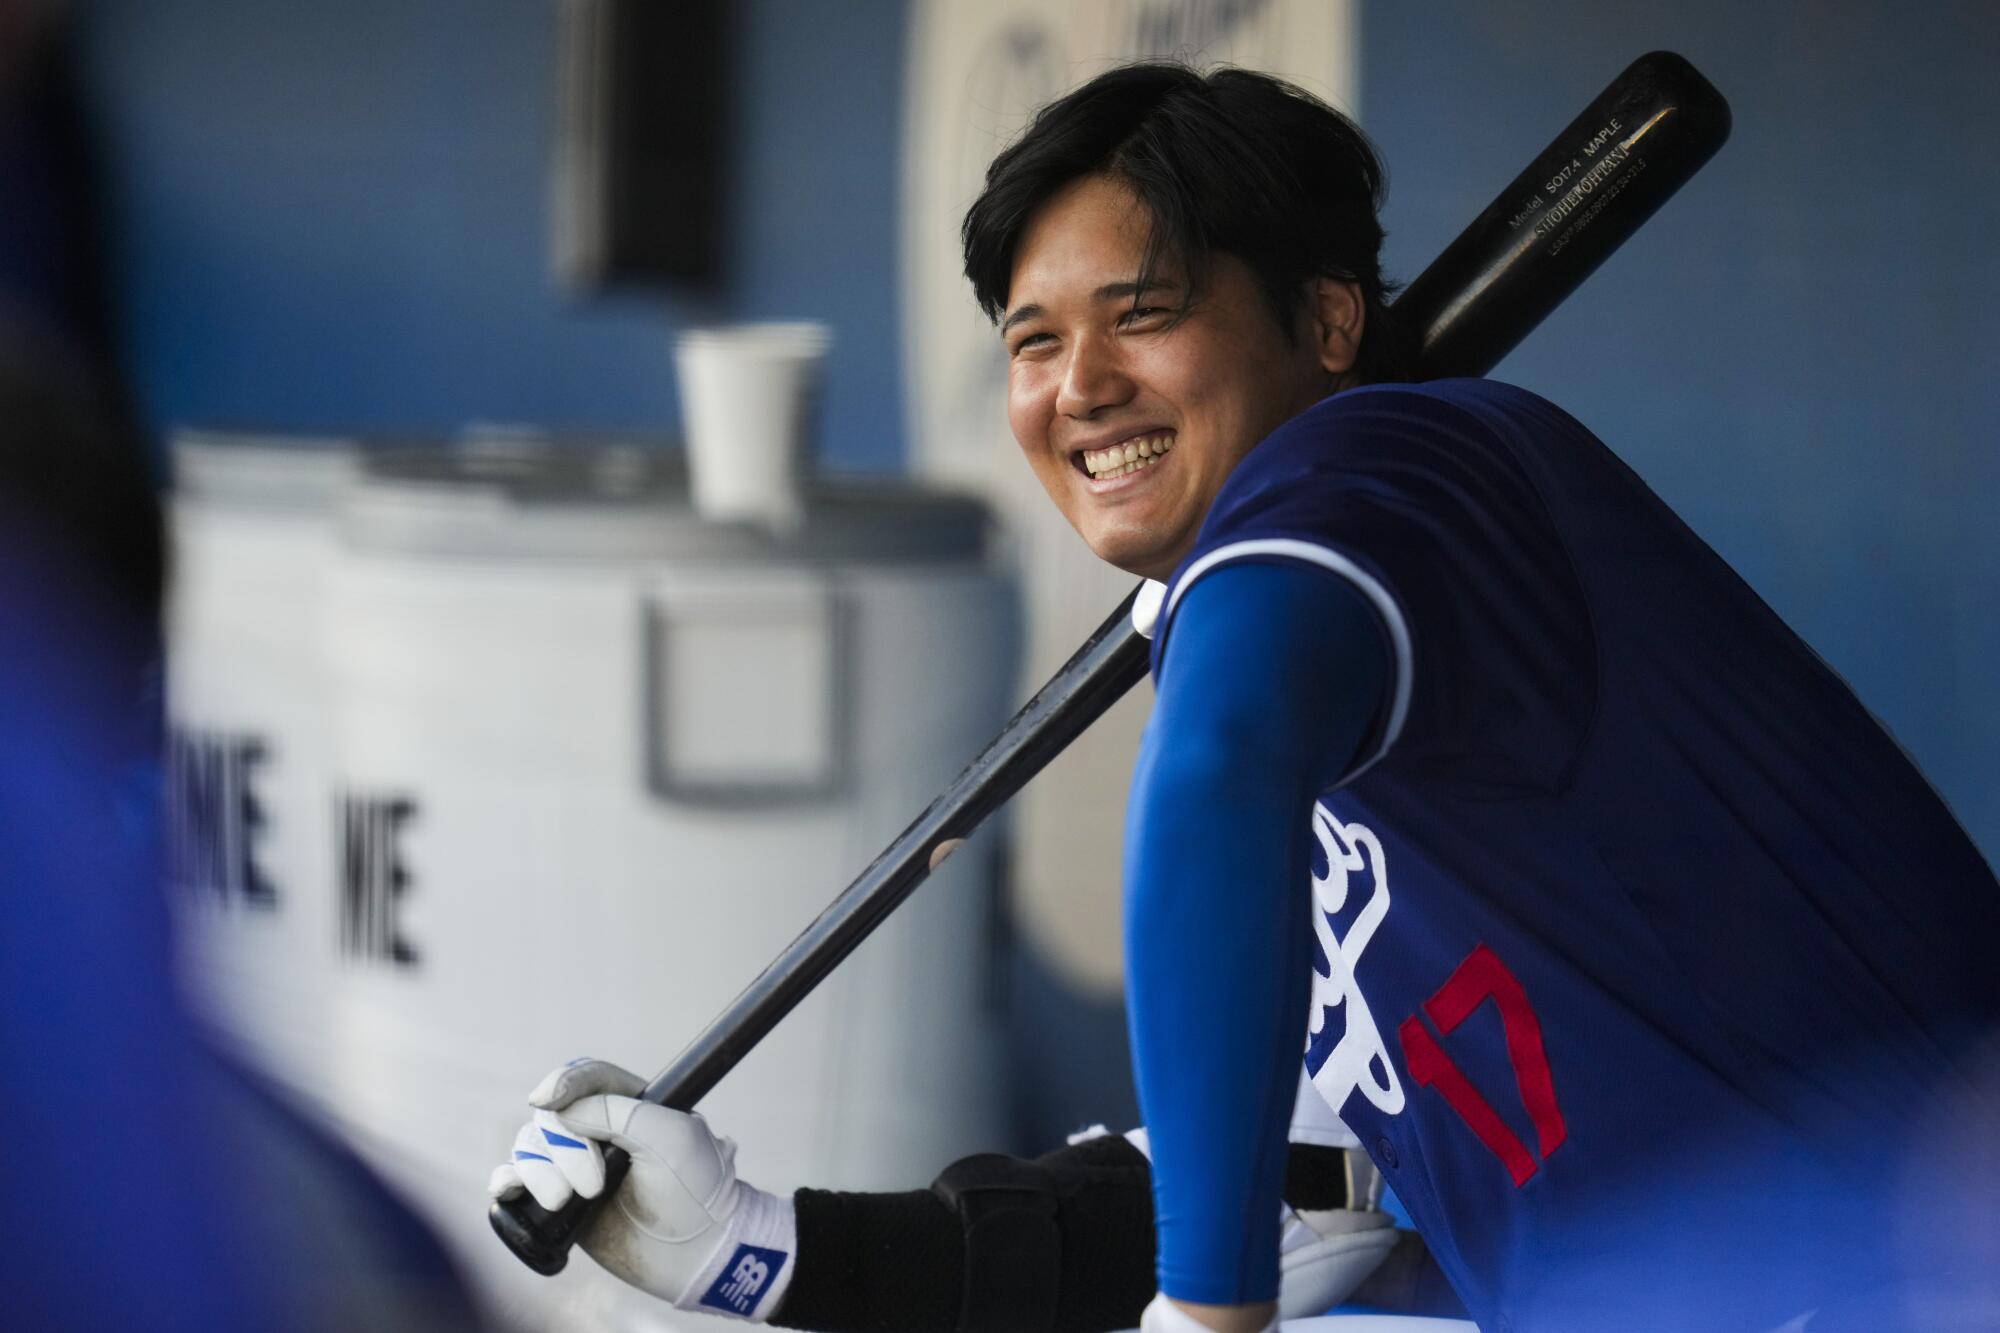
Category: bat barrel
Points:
column 1600, row 179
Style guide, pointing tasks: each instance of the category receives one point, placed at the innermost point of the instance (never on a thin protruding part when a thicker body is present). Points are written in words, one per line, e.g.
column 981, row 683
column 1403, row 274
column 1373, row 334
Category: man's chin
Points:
column 1138, row 554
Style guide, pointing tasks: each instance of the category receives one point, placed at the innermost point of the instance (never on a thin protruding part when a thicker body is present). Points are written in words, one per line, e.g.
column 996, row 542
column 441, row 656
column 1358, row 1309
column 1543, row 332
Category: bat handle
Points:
column 541, row 1239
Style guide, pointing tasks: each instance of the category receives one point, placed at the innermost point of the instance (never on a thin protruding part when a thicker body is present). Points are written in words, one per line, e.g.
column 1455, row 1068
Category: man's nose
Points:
column 1095, row 378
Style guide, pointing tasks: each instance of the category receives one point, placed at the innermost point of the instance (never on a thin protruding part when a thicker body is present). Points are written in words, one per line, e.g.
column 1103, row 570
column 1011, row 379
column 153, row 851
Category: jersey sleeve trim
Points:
column 1290, row 548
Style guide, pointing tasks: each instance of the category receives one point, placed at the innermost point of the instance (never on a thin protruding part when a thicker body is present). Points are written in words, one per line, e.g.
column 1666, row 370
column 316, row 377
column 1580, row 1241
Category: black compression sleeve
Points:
column 895, row 1263
column 874, row 1263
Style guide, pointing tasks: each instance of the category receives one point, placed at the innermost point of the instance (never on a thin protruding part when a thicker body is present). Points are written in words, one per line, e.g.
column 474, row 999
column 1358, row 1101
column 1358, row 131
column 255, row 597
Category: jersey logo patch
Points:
column 1345, row 1052
column 744, row 1278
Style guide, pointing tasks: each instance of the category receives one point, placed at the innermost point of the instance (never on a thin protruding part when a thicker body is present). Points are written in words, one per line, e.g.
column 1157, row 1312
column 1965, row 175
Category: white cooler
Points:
column 254, row 537
column 494, row 756
column 596, row 762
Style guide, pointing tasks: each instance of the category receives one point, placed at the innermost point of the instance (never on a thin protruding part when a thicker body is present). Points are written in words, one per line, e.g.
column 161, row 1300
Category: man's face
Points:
column 1099, row 374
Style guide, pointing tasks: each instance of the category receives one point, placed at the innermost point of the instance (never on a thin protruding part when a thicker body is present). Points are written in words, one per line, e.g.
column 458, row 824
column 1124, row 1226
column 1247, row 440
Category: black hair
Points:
column 1231, row 162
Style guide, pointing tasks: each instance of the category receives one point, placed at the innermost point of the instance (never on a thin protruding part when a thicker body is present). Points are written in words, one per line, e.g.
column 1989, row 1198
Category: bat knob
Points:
column 542, row 1239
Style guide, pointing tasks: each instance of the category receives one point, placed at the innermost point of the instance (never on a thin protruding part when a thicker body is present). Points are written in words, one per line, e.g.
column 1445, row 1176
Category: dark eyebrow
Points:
column 1110, row 291
column 1025, row 312
column 1129, row 291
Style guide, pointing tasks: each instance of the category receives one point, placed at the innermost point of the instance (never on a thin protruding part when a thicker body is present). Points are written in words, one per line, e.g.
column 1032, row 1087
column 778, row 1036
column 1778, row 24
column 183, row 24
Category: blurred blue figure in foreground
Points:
column 161, row 1189
column 156, row 1187
column 123, row 1213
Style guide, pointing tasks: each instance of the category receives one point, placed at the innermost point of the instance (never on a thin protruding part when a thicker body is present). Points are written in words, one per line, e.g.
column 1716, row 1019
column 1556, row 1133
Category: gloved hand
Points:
column 681, row 1226
column 1324, row 1254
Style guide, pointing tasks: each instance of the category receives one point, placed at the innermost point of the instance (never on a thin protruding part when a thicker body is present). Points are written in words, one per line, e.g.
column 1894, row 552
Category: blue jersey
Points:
column 1645, row 961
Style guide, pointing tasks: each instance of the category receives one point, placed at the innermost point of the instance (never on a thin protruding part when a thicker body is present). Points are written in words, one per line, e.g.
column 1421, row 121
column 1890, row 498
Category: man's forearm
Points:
column 1270, row 681
column 897, row 1262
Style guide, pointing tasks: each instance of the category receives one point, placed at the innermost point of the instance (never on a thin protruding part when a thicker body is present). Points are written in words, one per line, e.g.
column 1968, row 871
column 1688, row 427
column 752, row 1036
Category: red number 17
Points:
column 1482, row 976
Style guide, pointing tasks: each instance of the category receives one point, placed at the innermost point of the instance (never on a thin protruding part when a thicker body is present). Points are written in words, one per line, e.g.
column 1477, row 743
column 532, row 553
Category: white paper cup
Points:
column 749, row 404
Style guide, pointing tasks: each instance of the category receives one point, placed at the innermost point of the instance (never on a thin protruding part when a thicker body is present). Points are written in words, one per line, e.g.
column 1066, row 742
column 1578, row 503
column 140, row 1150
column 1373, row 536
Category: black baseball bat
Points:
column 1614, row 165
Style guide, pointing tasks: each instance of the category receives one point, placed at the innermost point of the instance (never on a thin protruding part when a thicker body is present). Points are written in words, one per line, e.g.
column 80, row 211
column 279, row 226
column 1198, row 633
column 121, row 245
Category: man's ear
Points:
column 1337, row 316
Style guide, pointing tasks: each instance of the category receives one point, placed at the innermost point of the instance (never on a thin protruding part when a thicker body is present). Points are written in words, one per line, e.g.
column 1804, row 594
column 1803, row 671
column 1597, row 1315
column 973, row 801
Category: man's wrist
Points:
column 749, row 1273
column 1166, row 1315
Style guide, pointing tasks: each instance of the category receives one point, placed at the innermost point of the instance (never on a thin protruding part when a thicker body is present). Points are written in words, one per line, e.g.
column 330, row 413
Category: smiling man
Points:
column 1632, row 950
column 1442, row 682
column 1108, row 374
column 1147, row 358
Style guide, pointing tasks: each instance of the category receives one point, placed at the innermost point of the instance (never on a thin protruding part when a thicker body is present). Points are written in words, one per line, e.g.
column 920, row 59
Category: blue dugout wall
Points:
column 335, row 217
column 1798, row 352
column 332, row 217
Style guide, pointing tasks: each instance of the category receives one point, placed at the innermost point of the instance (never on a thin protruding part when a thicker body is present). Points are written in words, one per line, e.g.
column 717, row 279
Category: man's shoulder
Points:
column 1464, row 428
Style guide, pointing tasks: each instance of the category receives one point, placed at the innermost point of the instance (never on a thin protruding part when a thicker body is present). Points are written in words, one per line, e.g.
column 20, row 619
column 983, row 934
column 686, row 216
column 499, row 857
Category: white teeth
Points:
column 1120, row 459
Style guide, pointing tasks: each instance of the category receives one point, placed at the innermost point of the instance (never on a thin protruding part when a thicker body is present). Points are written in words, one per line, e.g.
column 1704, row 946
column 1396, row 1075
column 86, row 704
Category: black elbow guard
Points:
column 1008, row 1210
column 1062, row 1244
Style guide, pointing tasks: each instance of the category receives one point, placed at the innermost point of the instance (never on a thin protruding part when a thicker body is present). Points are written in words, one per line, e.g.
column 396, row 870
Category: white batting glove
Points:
column 681, row 1226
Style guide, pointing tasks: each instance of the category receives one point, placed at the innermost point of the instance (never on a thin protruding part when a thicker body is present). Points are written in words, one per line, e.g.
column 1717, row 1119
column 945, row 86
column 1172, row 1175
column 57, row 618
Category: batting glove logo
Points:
column 744, row 1279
